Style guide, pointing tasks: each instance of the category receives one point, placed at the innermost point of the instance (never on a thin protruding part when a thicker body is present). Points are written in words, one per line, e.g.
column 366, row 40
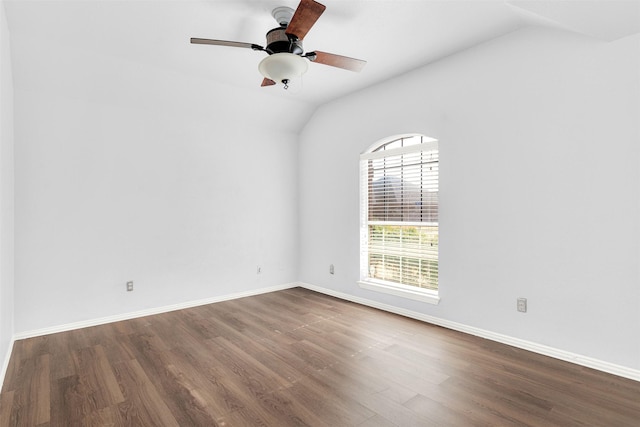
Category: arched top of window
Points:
column 400, row 141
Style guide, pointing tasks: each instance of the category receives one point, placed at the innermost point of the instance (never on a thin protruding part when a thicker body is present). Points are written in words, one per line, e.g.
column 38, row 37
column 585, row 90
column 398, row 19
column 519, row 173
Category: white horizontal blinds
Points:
column 404, row 187
column 407, row 255
column 402, row 196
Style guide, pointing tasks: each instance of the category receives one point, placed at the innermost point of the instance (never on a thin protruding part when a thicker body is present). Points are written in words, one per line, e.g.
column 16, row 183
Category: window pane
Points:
column 404, row 254
column 402, row 187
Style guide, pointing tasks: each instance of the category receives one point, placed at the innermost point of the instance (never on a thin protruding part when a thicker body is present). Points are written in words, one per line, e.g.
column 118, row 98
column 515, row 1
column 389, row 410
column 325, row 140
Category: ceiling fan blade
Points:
column 267, row 82
column 305, row 16
column 339, row 61
column 195, row 40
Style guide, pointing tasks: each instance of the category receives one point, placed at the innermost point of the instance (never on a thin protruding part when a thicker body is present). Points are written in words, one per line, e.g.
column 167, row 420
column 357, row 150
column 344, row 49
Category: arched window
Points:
column 399, row 217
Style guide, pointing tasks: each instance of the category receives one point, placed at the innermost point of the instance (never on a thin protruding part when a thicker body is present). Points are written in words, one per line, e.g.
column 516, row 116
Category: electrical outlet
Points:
column 522, row 305
column 129, row 286
column 258, row 270
column 331, row 270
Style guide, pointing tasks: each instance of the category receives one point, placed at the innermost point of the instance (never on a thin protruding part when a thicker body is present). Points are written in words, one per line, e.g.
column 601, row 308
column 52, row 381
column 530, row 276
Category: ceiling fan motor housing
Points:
column 279, row 41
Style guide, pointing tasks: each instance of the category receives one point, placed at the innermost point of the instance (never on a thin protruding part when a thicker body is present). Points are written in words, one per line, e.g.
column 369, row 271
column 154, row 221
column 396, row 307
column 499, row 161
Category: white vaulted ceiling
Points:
column 138, row 52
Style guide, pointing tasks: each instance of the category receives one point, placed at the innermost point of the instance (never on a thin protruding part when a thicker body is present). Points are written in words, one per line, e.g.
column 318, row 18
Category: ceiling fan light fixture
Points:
column 282, row 67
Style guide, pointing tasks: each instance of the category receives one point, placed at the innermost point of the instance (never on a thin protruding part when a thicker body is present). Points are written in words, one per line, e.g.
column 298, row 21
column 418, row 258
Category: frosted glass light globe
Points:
column 281, row 67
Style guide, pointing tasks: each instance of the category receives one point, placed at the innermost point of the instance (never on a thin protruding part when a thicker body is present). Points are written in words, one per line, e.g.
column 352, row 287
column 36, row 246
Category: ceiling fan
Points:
column 286, row 58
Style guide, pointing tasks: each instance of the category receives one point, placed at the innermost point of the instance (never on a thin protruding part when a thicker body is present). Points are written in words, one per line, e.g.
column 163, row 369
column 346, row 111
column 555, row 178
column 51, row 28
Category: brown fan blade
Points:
column 267, row 82
column 305, row 16
column 339, row 61
column 225, row 43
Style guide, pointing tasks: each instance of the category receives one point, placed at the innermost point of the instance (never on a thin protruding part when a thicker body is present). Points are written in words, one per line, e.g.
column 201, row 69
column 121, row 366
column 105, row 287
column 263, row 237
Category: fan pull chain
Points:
column 286, row 84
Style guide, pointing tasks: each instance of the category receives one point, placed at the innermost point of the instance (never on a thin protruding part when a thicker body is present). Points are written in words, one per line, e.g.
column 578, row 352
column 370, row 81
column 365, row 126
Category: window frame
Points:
column 365, row 281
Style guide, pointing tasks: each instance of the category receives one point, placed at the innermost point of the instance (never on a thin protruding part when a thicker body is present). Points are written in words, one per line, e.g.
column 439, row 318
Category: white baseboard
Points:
column 589, row 362
column 5, row 363
column 148, row 312
column 578, row 359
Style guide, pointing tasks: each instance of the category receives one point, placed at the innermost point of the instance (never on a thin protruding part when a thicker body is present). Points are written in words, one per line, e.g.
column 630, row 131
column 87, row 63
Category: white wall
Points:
column 121, row 177
column 539, row 192
column 6, row 193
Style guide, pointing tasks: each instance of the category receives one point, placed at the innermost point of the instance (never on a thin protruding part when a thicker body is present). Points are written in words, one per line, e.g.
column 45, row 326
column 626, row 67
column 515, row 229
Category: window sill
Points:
column 417, row 294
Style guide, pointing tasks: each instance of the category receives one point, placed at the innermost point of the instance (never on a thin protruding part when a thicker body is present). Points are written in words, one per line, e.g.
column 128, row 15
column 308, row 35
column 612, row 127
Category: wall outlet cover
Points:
column 522, row 305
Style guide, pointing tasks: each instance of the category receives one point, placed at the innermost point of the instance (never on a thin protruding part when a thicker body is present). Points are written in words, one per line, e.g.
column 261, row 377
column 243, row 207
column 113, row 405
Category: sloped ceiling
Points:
column 138, row 52
column 604, row 20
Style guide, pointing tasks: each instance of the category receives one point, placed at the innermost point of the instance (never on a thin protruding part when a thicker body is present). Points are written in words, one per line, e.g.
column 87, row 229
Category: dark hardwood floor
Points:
column 295, row 358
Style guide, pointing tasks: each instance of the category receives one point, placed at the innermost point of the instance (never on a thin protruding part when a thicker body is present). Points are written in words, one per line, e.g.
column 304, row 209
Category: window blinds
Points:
column 402, row 213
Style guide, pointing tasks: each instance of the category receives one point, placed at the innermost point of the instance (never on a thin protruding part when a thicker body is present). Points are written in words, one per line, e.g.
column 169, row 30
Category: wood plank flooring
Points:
column 296, row 358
